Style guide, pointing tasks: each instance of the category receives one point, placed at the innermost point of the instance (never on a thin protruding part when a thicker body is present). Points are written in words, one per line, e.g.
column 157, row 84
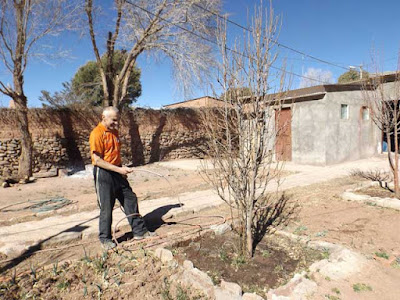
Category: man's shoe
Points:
column 143, row 236
column 108, row 244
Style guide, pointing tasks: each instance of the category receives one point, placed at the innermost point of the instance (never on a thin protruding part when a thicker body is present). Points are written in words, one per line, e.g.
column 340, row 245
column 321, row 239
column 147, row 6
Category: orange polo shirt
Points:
column 106, row 144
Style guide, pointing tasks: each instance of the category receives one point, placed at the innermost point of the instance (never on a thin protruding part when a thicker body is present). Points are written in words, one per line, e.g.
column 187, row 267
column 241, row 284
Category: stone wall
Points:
column 61, row 137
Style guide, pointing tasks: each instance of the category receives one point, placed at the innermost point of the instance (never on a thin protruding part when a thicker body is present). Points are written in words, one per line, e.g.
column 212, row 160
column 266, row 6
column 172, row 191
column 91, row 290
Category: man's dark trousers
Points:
column 110, row 186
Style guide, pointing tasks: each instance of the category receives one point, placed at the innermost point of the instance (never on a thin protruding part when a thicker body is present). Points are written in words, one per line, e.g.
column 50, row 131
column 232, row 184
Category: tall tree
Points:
column 23, row 24
column 166, row 28
column 351, row 76
column 242, row 134
column 85, row 88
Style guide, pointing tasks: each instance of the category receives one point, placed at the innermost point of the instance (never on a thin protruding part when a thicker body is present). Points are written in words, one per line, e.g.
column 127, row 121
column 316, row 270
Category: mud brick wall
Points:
column 61, row 137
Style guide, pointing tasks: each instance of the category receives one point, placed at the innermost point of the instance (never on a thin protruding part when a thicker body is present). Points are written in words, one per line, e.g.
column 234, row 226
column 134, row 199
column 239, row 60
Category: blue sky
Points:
column 339, row 31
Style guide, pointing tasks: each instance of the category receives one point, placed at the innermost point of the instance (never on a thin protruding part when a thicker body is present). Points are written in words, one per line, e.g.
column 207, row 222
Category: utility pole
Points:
column 361, row 71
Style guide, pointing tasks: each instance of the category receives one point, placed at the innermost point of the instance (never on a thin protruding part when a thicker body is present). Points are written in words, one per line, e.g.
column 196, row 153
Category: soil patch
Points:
column 275, row 261
column 113, row 275
column 376, row 191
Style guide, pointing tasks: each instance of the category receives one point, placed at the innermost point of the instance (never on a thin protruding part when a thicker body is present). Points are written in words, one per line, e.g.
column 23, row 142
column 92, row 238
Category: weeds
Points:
column 63, row 285
column 321, row 233
column 99, row 263
column 13, row 280
column 300, row 229
column 336, row 291
column 265, row 253
column 86, row 257
column 331, row 297
column 361, row 287
column 215, row 277
column 55, row 268
column 382, row 255
column 223, row 255
column 238, row 261
column 181, row 293
column 396, row 263
column 33, row 271
column 120, row 268
column 278, row 268
column 325, row 253
column 166, row 291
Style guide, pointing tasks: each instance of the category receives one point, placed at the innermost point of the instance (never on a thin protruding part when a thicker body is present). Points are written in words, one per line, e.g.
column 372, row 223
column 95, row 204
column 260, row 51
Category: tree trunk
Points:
column 396, row 153
column 249, row 235
column 25, row 158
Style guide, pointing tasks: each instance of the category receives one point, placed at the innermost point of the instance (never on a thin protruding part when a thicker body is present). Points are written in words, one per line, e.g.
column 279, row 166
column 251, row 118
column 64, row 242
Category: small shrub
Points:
column 361, row 287
column 382, row 255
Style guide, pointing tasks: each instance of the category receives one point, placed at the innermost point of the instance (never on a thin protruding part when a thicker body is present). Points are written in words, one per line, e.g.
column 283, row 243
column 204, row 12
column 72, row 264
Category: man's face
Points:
column 110, row 120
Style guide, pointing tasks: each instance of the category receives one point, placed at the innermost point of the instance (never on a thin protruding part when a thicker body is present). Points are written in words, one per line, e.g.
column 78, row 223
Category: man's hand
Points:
column 124, row 170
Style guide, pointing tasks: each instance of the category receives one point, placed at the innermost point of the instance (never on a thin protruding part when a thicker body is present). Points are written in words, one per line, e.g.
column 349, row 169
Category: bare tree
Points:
column 242, row 134
column 170, row 28
column 383, row 100
column 23, row 23
column 315, row 77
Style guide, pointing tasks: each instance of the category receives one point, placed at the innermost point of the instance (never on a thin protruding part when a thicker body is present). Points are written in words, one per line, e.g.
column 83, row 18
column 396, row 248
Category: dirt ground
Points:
column 322, row 215
column 366, row 229
column 376, row 191
column 17, row 203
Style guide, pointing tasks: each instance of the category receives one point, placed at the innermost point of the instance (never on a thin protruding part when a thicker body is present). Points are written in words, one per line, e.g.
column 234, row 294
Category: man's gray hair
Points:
column 110, row 109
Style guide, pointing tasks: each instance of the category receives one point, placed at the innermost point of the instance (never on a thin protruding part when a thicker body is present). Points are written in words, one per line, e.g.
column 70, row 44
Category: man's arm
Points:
column 98, row 161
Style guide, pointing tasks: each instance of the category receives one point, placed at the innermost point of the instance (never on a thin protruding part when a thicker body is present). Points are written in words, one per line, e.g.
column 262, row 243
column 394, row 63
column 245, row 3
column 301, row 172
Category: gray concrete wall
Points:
column 349, row 139
column 308, row 132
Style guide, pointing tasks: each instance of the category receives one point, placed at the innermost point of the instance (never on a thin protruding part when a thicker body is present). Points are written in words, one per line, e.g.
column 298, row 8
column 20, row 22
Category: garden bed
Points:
column 376, row 191
column 275, row 261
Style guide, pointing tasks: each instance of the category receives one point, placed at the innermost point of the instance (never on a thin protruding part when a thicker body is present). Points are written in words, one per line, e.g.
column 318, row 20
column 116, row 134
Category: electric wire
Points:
column 274, row 41
column 215, row 43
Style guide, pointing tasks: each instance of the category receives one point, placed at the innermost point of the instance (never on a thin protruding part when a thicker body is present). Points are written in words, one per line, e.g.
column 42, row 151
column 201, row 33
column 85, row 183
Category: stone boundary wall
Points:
column 61, row 137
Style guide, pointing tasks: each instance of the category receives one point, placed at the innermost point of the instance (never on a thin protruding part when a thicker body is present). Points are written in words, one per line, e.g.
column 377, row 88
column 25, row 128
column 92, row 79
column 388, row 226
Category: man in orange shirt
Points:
column 110, row 179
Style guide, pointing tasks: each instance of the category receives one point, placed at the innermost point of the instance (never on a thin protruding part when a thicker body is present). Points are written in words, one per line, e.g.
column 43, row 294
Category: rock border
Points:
column 349, row 195
column 341, row 264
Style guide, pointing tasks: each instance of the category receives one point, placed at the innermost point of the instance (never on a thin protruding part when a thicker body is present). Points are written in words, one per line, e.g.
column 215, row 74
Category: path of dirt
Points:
column 148, row 182
column 323, row 215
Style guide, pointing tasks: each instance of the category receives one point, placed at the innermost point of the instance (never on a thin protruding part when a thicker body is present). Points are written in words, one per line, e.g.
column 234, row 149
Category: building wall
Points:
column 308, row 132
column 61, row 137
column 350, row 139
